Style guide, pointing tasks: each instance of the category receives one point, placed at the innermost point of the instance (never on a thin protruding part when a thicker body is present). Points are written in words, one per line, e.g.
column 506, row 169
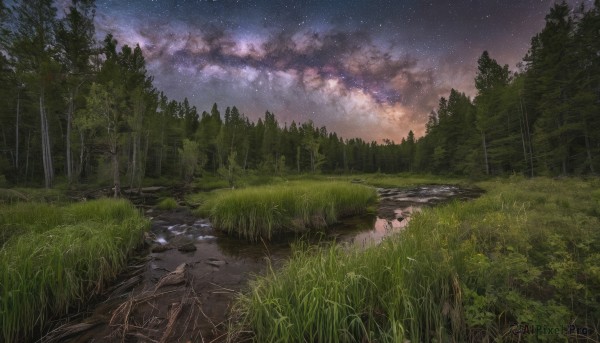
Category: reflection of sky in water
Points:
column 396, row 208
column 405, row 203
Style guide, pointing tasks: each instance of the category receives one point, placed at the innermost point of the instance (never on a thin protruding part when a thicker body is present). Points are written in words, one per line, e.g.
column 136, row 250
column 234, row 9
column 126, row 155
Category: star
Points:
column 356, row 63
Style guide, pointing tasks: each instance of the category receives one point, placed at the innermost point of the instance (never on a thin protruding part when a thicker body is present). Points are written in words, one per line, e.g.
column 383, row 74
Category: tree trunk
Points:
column 81, row 154
column 134, row 159
column 160, row 151
column 144, row 160
column 588, row 148
column 12, row 155
column 46, row 151
column 17, row 132
column 524, row 108
column 115, row 169
column 487, row 166
column 27, row 154
column 523, row 141
column 68, row 138
column 522, row 128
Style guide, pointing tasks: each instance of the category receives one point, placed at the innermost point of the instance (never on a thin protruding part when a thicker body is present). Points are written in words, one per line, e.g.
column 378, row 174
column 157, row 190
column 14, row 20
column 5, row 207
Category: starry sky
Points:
column 372, row 69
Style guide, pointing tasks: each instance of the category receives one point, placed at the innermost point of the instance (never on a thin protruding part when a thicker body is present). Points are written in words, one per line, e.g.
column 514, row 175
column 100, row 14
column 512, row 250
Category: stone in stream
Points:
column 215, row 262
column 183, row 243
column 161, row 248
column 187, row 247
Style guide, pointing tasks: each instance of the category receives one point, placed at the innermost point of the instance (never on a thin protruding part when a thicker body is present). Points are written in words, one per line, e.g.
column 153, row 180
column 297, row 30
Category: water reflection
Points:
column 396, row 208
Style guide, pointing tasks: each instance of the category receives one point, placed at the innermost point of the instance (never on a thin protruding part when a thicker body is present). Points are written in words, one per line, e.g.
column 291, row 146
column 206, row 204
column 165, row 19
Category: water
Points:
column 396, row 207
column 220, row 266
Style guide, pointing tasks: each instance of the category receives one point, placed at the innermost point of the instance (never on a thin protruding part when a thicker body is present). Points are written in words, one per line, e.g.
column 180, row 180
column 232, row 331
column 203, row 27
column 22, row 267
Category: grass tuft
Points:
column 262, row 212
column 54, row 258
column 167, row 204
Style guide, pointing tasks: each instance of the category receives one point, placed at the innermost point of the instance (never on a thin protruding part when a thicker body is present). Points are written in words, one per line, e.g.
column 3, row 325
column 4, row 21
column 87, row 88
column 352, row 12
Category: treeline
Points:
column 542, row 120
column 87, row 112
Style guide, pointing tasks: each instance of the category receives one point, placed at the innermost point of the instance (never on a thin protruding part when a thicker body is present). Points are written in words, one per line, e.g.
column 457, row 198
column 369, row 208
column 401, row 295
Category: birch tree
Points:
column 34, row 49
column 104, row 112
column 75, row 38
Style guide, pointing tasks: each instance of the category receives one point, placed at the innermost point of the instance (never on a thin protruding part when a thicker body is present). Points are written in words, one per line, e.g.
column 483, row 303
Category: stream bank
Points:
column 181, row 287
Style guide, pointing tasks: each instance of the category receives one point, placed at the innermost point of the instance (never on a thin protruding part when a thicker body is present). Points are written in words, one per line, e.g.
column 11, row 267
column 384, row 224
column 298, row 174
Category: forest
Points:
column 79, row 111
column 232, row 229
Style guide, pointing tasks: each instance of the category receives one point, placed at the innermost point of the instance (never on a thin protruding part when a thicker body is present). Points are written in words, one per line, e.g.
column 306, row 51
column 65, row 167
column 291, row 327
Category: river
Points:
column 180, row 286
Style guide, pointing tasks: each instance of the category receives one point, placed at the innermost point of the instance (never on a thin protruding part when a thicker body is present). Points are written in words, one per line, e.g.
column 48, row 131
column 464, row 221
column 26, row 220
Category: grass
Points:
column 395, row 180
column 53, row 258
column 527, row 252
column 262, row 212
column 167, row 204
column 13, row 195
column 251, row 179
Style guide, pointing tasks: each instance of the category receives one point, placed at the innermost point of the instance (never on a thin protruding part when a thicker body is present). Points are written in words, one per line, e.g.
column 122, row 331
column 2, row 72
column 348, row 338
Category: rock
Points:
column 215, row 262
column 161, row 248
column 187, row 247
column 173, row 278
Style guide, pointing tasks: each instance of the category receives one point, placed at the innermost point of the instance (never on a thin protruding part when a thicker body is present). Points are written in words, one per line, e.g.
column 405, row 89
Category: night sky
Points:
column 372, row 69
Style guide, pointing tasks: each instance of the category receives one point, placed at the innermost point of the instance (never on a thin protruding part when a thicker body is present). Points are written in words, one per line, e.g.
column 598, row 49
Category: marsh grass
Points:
column 526, row 252
column 59, row 257
column 167, row 204
column 14, row 195
column 262, row 212
column 403, row 180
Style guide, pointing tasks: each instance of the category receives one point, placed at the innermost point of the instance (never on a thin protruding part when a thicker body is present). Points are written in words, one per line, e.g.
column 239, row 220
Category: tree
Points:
column 270, row 147
column 34, row 49
column 490, row 78
column 231, row 171
column 312, row 143
column 104, row 111
column 75, row 39
column 551, row 63
column 586, row 81
column 191, row 159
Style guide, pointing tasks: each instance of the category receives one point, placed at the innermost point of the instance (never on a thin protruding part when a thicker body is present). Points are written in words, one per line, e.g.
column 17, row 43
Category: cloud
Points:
column 344, row 80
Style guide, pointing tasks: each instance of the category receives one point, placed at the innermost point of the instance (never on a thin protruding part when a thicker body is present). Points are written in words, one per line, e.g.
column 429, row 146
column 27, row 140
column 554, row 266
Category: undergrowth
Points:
column 521, row 263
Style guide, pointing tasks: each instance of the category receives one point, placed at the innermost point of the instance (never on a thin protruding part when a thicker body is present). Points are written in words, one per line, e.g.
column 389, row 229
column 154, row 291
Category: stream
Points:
column 180, row 288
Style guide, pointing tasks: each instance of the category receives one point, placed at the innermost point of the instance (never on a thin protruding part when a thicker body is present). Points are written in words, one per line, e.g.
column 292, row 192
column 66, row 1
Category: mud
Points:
column 182, row 283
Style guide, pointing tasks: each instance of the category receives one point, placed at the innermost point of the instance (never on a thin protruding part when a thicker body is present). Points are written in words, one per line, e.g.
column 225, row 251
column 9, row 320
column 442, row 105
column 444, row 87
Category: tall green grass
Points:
column 261, row 212
column 400, row 180
column 167, row 204
column 526, row 252
column 59, row 257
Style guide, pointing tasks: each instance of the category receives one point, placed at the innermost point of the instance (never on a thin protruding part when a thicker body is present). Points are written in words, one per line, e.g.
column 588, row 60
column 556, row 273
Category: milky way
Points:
column 370, row 69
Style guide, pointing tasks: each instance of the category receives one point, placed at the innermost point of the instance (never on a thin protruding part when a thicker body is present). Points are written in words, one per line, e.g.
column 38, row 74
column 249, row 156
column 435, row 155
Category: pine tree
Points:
column 75, row 39
column 34, row 49
column 489, row 82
